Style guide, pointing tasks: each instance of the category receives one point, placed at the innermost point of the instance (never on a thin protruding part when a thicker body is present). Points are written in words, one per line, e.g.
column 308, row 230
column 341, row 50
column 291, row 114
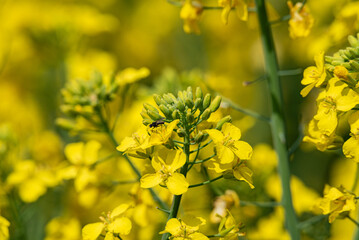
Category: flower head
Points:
column 165, row 163
column 301, row 20
column 336, row 201
column 227, row 144
column 190, row 13
column 241, row 9
column 189, row 230
column 314, row 76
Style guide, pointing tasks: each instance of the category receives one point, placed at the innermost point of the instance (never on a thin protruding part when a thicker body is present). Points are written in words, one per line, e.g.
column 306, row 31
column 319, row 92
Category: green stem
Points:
column 351, row 219
column 177, row 198
column 206, row 182
column 277, row 123
column 134, row 168
column 246, row 111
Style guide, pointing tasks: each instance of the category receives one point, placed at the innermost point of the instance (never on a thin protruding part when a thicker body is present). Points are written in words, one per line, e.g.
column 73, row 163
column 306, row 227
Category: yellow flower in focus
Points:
column 238, row 168
column 241, row 9
column 113, row 224
column 4, row 228
column 131, row 75
column 338, row 97
column 134, row 145
column 222, row 204
column 301, row 20
column 314, row 76
column 166, row 162
column 190, row 13
column 351, row 146
column 227, row 144
column 181, row 230
column 63, row 229
column 321, row 140
column 336, row 201
column 160, row 135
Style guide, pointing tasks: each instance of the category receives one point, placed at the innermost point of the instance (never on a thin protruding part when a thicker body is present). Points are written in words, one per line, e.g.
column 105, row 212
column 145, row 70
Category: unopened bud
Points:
column 354, row 64
column 206, row 114
column 180, row 106
column 189, row 103
column 65, row 123
column 223, row 121
column 199, row 137
column 353, row 41
column 175, row 114
column 157, row 99
column 189, row 117
column 154, row 115
column 207, row 101
column 215, row 103
column 199, row 93
column 146, row 121
column 166, row 111
column 198, row 103
column 149, row 107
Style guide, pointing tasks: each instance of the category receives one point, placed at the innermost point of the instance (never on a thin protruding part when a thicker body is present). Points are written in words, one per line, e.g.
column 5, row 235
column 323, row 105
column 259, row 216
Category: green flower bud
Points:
column 215, row 103
column 207, row 101
column 206, row 114
column 198, row 103
column 342, row 54
column 353, row 41
column 167, row 99
column 223, row 121
column 166, row 111
column 190, row 117
column 175, row 114
column 180, row 96
column 149, row 107
column 353, row 51
column 199, row 137
column 146, row 121
column 181, row 132
column 157, row 99
column 354, row 64
column 180, row 106
column 336, row 62
column 199, row 93
column 144, row 114
column 189, row 103
column 189, row 93
column 328, row 59
column 65, row 123
column 346, row 65
column 154, row 115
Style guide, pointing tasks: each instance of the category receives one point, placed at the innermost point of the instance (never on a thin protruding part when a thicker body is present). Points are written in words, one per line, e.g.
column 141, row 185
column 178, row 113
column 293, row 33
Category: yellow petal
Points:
column 242, row 10
column 126, row 144
column 150, row 180
column 177, row 184
column 74, row 151
column 92, row 231
column 178, row 161
column 242, row 150
column 198, row 236
column 119, row 210
column 351, row 149
column 243, row 173
column 305, row 91
column 90, row 153
column 121, row 226
column 225, row 155
column 173, row 226
column 31, row 190
column 232, row 131
column 215, row 135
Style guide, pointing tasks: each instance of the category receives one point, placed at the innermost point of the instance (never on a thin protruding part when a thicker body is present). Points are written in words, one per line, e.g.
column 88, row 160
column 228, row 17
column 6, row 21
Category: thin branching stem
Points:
column 246, row 111
column 206, row 182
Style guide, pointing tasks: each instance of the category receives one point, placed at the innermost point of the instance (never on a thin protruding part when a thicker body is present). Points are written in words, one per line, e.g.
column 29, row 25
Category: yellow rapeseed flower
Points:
column 130, row 75
column 222, row 204
column 229, row 229
column 4, row 228
column 240, row 6
column 314, row 76
column 165, row 163
column 181, row 230
column 301, row 20
column 113, row 224
column 227, row 144
column 190, row 13
column 350, row 147
column 336, row 201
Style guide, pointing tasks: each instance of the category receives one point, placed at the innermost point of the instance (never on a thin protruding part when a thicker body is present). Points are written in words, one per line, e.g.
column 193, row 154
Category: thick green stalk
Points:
column 177, row 198
column 277, row 123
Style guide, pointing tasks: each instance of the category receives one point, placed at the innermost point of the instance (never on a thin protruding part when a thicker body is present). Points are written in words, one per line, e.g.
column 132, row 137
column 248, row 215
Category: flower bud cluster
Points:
column 81, row 97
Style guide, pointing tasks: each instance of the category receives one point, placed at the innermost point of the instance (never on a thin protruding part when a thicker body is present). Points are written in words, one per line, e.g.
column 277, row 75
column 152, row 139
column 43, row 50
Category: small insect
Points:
column 157, row 123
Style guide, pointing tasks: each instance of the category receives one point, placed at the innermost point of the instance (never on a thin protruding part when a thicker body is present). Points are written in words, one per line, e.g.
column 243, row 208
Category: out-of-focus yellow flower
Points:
column 190, row 13
column 31, row 180
column 264, row 158
column 314, row 76
column 338, row 97
column 301, row 20
column 336, row 201
column 63, row 229
column 82, row 156
column 189, row 230
column 227, row 144
column 230, row 229
column 113, row 224
column 241, row 9
column 321, row 140
column 4, row 228
column 166, row 162
column 134, row 145
column 222, row 204
column 161, row 134
column 130, row 75
column 351, row 146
